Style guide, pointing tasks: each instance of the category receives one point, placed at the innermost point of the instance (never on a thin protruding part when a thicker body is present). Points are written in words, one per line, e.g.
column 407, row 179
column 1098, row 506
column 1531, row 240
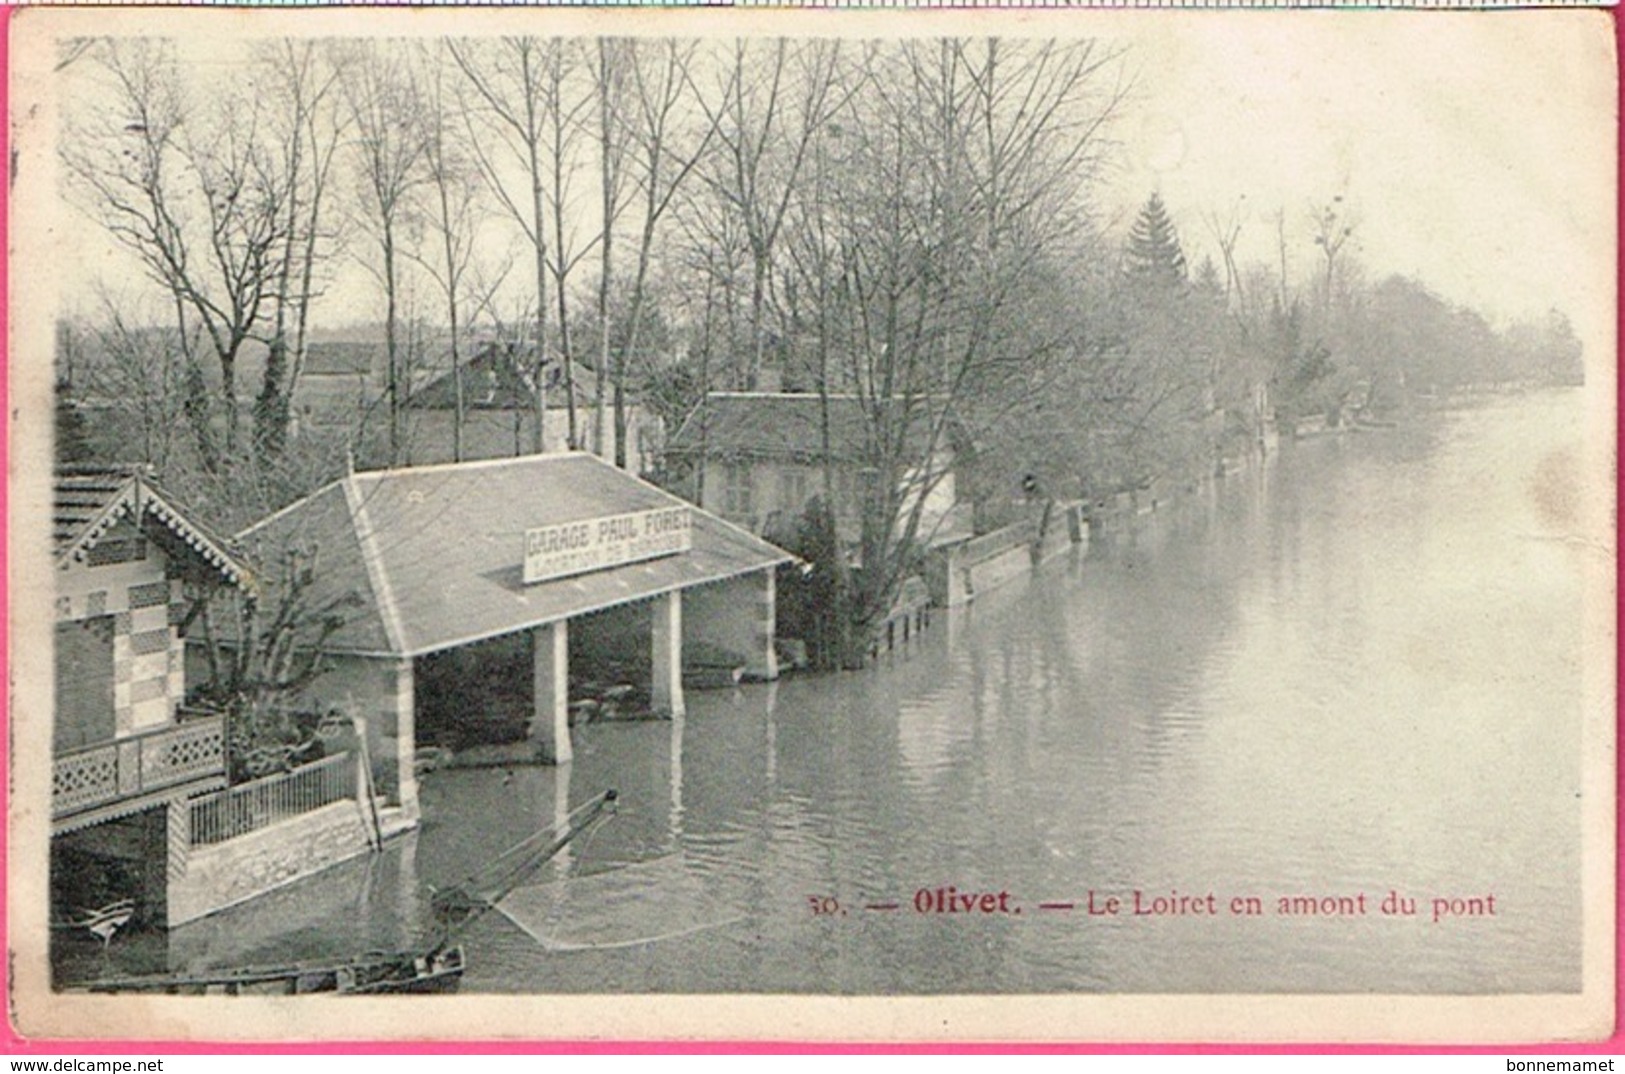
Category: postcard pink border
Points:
column 12, row 1043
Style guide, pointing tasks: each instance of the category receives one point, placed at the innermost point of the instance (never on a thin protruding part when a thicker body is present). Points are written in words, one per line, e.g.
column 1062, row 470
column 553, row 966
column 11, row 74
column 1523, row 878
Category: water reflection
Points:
column 1353, row 669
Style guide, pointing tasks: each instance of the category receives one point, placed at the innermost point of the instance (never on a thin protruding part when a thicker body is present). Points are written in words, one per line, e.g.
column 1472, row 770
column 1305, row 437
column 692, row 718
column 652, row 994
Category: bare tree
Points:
column 509, row 77
column 195, row 194
column 385, row 106
column 661, row 154
column 272, row 644
column 1226, row 232
column 454, row 189
column 775, row 99
column 308, row 127
column 567, row 106
column 1284, row 279
column 609, row 84
column 1333, row 228
column 141, row 372
column 712, row 246
column 956, row 191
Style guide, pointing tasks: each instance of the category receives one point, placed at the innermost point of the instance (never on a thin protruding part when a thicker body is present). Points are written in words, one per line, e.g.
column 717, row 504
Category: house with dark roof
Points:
column 519, row 568
column 760, row 459
column 338, row 380
column 129, row 757
column 499, row 414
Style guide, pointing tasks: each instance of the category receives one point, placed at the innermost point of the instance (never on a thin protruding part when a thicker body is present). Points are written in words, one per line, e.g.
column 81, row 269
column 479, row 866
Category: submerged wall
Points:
column 963, row 570
column 210, row 878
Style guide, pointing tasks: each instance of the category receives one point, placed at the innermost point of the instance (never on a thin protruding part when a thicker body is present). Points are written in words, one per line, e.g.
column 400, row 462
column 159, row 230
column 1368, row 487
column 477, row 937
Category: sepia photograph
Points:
column 812, row 525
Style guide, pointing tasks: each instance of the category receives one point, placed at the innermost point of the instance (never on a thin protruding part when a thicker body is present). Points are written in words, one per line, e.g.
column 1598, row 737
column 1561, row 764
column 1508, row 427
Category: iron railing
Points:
column 248, row 807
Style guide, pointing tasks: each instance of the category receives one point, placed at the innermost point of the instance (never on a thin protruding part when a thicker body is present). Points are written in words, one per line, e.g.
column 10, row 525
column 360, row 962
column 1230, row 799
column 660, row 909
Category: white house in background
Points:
column 762, row 459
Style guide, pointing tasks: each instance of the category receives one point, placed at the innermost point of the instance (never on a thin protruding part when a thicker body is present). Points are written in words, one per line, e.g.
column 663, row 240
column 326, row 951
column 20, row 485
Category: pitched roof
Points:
column 491, row 381
column 435, row 553
column 343, row 358
column 781, row 425
column 90, row 500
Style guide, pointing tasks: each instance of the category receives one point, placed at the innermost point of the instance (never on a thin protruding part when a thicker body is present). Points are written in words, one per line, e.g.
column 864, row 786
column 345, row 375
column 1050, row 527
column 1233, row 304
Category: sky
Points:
column 1472, row 150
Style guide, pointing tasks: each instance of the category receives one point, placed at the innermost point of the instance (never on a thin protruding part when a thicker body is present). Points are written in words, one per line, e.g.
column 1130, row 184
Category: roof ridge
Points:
column 284, row 510
column 136, row 495
column 780, row 395
column 372, row 559
column 472, row 464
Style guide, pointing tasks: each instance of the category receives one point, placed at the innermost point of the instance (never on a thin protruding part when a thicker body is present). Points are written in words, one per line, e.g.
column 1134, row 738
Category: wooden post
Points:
column 366, row 796
column 550, row 726
column 178, row 852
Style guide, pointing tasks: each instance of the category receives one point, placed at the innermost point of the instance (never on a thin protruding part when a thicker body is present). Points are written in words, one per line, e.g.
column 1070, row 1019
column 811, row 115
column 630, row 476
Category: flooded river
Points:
column 1347, row 678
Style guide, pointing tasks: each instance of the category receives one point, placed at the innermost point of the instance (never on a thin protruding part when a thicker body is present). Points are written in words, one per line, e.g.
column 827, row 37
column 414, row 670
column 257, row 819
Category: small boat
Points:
column 707, row 677
column 381, row 973
column 102, row 922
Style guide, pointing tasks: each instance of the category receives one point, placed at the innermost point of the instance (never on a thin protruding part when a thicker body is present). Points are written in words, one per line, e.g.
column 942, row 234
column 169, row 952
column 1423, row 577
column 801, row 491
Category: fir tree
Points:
column 1154, row 254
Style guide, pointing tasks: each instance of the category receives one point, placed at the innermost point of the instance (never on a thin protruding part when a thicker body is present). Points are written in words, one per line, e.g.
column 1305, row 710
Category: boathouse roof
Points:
column 783, row 425
column 431, row 557
column 90, row 502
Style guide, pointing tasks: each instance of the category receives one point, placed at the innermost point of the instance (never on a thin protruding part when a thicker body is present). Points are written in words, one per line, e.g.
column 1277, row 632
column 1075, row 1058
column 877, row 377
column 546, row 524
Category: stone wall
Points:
column 997, row 569
column 737, row 615
column 960, row 571
column 215, row 877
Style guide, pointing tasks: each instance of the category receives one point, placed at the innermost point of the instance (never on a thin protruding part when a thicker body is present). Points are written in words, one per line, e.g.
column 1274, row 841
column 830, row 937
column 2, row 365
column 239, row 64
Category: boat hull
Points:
column 400, row 973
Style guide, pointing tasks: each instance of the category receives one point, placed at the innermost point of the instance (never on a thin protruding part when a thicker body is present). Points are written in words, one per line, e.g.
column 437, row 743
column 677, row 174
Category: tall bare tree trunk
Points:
column 459, row 401
column 539, row 387
column 609, row 167
column 391, row 349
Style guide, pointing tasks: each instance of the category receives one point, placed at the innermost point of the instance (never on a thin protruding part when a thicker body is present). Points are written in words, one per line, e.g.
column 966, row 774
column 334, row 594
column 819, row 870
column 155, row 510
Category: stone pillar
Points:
column 762, row 662
column 666, row 630
column 550, row 726
column 406, row 739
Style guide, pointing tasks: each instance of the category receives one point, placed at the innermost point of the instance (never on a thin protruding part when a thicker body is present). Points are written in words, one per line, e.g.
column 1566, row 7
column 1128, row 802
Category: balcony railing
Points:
column 138, row 764
column 248, row 807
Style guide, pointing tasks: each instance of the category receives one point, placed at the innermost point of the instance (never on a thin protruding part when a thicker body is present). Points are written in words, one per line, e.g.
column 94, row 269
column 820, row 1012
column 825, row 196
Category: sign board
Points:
column 596, row 543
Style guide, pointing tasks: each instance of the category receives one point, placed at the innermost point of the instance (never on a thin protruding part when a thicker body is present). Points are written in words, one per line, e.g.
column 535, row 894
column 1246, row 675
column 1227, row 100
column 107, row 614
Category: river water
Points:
column 1353, row 670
